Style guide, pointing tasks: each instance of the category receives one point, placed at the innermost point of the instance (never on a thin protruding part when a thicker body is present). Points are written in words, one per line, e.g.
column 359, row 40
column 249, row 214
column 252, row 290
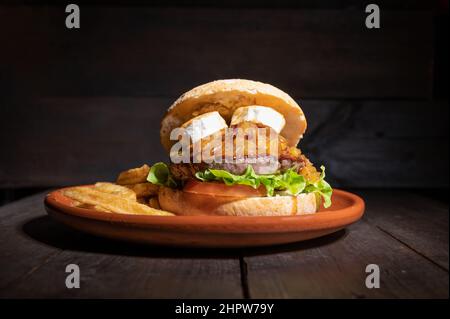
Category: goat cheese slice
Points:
column 204, row 125
column 259, row 115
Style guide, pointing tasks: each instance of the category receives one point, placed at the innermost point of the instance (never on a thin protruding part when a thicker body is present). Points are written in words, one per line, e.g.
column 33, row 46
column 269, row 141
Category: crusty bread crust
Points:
column 182, row 203
column 225, row 96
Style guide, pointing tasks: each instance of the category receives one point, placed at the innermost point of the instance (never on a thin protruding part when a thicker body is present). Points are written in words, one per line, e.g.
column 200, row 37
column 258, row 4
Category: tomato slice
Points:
column 221, row 189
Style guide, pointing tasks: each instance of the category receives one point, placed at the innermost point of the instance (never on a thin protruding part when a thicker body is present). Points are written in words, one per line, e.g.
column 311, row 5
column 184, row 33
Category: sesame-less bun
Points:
column 225, row 96
column 185, row 203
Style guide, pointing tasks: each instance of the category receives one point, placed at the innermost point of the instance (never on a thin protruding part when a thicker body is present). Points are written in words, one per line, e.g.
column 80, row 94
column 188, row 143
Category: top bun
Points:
column 225, row 96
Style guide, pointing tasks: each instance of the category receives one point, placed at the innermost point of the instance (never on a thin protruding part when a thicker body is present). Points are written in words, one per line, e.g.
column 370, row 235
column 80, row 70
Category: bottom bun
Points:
column 183, row 203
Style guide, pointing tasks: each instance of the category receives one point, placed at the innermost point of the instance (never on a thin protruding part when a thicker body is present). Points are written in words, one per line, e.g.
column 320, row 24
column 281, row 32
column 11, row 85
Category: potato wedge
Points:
column 87, row 206
column 113, row 203
column 77, row 203
column 142, row 200
column 154, row 203
column 115, row 189
column 134, row 175
column 144, row 189
column 101, row 209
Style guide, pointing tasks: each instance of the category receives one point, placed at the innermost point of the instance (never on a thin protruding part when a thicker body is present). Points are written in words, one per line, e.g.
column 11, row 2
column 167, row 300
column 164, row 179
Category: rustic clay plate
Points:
column 208, row 231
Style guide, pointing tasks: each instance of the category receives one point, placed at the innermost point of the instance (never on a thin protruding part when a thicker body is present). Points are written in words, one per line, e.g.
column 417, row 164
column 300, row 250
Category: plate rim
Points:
column 321, row 220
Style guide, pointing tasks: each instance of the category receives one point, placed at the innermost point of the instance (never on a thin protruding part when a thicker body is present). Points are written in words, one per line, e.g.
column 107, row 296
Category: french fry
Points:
column 77, row 203
column 87, row 206
column 101, row 209
column 113, row 203
column 144, row 189
column 142, row 200
column 154, row 203
column 114, row 189
column 134, row 175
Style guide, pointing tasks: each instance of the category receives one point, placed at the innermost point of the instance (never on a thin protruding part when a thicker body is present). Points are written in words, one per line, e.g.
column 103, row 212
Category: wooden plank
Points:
column 379, row 143
column 148, row 276
column 19, row 254
column 336, row 269
column 334, row 266
column 60, row 141
column 80, row 140
column 136, row 51
column 417, row 221
column 365, row 119
column 35, row 251
column 307, row 4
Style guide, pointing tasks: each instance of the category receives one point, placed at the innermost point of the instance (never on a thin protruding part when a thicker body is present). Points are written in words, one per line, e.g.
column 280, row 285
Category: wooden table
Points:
column 404, row 233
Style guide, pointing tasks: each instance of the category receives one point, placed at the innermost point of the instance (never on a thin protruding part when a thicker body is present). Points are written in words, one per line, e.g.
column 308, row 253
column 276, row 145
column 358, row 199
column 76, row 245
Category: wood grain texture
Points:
column 335, row 267
column 414, row 220
column 79, row 140
column 144, row 51
column 379, row 143
column 305, row 4
column 20, row 255
column 35, row 251
column 63, row 141
column 81, row 105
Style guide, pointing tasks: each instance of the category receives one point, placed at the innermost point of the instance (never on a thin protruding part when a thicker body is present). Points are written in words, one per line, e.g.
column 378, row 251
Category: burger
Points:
column 238, row 145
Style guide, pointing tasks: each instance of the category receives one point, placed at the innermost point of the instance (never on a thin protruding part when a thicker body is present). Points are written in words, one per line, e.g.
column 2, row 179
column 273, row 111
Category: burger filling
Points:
column 288, row 172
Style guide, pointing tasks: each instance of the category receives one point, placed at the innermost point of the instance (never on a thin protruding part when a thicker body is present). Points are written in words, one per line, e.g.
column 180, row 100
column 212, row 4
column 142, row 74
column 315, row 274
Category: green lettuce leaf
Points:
column 160, row 175
column 322, row 188
column 289, row 182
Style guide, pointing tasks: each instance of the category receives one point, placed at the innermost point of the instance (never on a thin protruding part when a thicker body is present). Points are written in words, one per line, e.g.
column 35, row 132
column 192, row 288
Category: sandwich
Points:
column 233, row 149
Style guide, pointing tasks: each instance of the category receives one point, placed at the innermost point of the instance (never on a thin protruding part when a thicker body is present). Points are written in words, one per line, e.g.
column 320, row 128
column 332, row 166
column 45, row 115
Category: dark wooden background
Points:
column 80, row 105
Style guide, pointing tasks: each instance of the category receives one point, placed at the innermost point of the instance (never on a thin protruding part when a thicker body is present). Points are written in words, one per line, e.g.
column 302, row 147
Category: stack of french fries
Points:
column 131, row 194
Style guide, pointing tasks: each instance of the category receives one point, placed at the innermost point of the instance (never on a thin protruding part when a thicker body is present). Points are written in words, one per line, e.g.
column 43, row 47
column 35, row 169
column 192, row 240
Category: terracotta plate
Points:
column 208, row 231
